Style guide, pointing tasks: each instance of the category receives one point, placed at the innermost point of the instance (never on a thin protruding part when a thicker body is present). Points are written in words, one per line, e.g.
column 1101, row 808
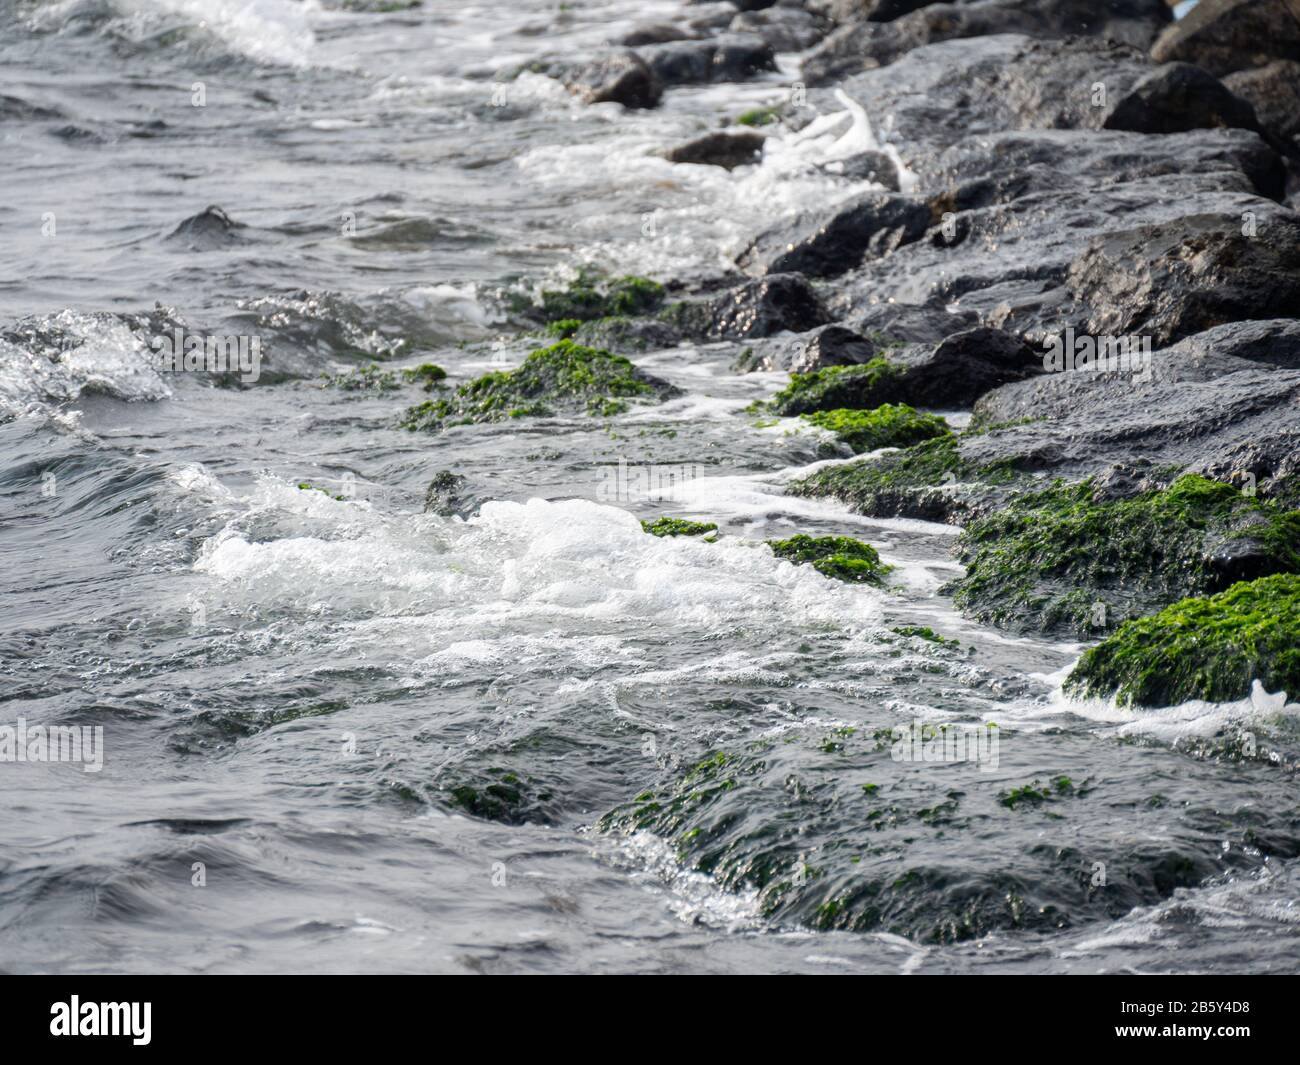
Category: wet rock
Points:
column 628, row 334
column 867, row 166
column 623, row 78
column 786, row 29
column 656, row 33
column 831, row 242
column 862, row 45
column 953, row 374
column 1178, row 97
column 450, row 495
column 728, row 57
column 1183, row 276
column 766, row 306
column 728, row 150
column 1226, row 35
column 210, row 228
column 1273, row 91
column 832, row 346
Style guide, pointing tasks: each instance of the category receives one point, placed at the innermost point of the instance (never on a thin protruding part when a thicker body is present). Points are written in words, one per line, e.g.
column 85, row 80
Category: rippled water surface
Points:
column 385, row 740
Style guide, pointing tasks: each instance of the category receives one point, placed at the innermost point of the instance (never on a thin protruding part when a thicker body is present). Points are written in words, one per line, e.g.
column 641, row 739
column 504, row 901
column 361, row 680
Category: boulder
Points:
column 766, row 306
column 724, row 149
column 1226, row 35
column 623, row 78
column 832, row 241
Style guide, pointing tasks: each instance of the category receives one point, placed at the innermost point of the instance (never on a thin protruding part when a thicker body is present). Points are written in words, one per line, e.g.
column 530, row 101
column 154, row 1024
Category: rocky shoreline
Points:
column 1085, row 235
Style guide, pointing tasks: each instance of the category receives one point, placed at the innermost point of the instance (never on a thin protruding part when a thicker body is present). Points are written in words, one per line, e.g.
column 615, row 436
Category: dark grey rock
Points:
column 786, row 29
column 832, row 346
column 766, row 306
column 867, row 166
column 623, row 77
column 728, row 150
column 1178, row 97
column 1182, row 276
column 833, row 241
column 862, row 45
column 449, row 495
column 728, row 57
column 1226, row 35
column 1273, row 91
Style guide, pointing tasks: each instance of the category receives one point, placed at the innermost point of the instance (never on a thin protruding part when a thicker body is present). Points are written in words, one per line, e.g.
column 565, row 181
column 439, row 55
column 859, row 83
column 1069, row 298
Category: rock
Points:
column 627, row 334
column 728, row 150
column 1186, row 275
column 833, row 241
column 1275, row 342
column 449, row 495
column 1216, row 649
column 1226, row 35
column 656, row 33
column 1178, row 97
column 786, row 29
column 1062, row 561
column 867, row 166
column 564, row 377
column 832, row 346
column 862, row 45
column 766, row 306
column 954, row 374
column 728, row 57
column 210, row 228
column 623, row 78
column 1273, row 91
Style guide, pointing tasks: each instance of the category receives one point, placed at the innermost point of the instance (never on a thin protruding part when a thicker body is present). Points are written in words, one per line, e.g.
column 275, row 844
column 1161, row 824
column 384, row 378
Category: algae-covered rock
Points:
column 679, row 527
column 931, row 480
column 840, row 387
column 1209, row 648
column 889, row 425
column 840, row 558
column 590, row 297
column 563, row 377
column 503, row 795
column 1062, row 560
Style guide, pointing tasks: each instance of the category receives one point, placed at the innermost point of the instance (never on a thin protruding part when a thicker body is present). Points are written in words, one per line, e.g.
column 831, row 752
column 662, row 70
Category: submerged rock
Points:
column 449, row 495
column 728, row 57
column 728, row 150
column 680, row 527
column 210, row 228
column 565, row 376
column 1205, row 648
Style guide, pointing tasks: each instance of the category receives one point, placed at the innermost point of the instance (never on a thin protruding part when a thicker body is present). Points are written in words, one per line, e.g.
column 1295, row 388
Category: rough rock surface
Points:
column 623, row 78
column 764, row 307
column 1226, row 35
column 724, row 149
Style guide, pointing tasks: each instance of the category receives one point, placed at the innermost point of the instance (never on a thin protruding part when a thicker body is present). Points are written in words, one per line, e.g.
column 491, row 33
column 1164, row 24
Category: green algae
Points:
column 914, row 481
column 307, row 486
column 840, row 558
column 427, row 374
column 563, row 328
column 1059, row 561
column 505, row 796
column 679, row 527
column 1201, row 648
column 889, row 425
column 869, row 384
column 759, row 116
column 565, row 375
column 590, row 297
column 371, row 378
column 926, row 633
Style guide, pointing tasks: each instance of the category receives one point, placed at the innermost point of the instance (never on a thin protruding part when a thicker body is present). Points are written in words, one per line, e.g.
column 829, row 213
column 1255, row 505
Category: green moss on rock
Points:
column 564, row 376
column 889, row 425
column 1201, row 648
column 839, row 387
column 678, row 527
column 841, row 558
column 922, row 481
column 427, row 374
column 1059, row 561
column 590, row 297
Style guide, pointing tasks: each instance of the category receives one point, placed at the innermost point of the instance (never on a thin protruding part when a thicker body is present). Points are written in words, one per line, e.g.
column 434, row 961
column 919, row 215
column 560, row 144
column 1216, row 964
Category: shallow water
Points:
column 299, row 692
